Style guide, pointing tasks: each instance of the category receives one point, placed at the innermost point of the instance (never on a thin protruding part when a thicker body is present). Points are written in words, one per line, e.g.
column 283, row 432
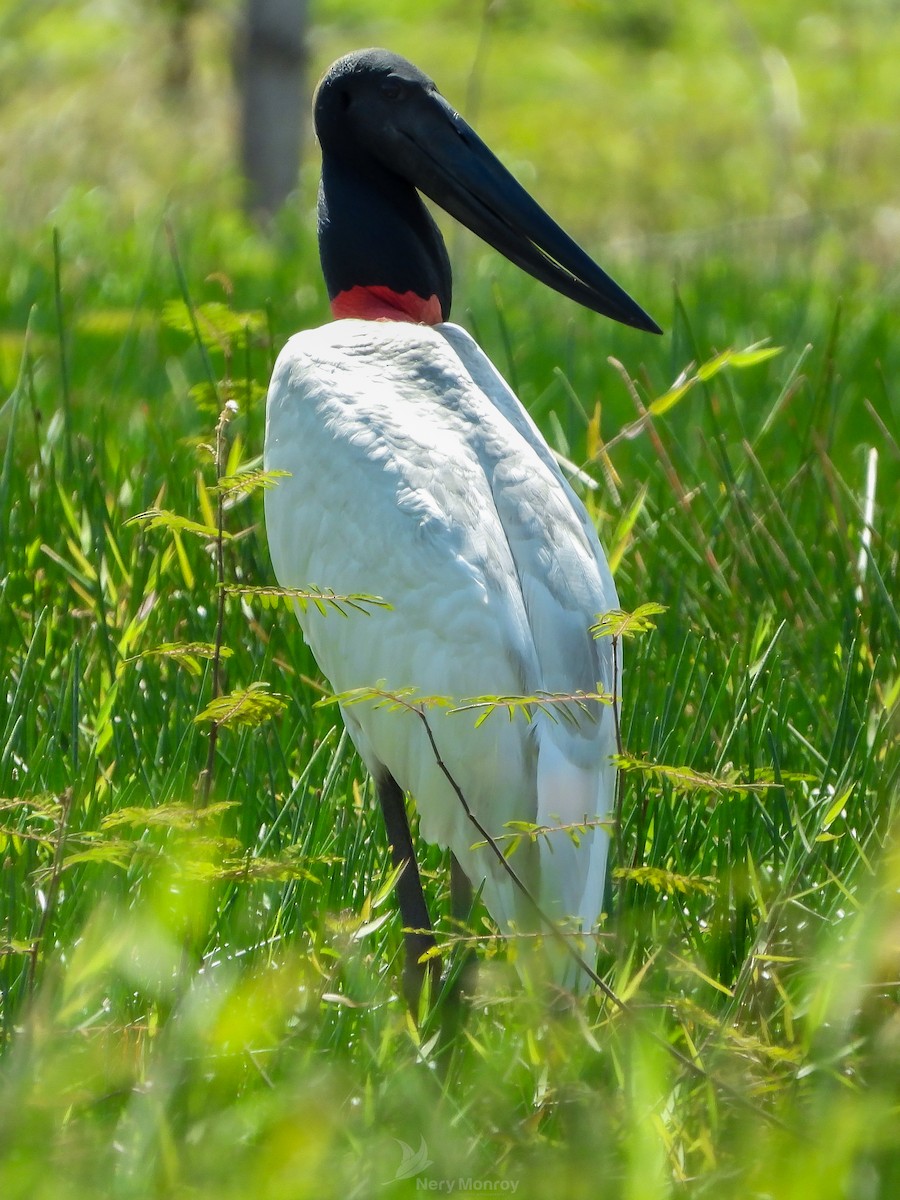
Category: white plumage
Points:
column 416, row 475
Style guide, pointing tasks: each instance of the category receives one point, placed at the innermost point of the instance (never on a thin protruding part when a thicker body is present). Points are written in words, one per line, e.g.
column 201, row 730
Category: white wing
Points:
column 417, row 475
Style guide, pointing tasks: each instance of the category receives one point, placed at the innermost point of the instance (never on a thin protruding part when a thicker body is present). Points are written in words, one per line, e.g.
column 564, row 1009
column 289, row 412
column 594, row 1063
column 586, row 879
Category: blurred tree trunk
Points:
column 270, row 57
column 179, row 63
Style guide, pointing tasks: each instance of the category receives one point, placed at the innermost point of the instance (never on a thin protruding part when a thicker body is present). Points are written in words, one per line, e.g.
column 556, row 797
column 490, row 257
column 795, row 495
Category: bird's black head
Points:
column 360, row 100
column 382, row 254
column 387, row 133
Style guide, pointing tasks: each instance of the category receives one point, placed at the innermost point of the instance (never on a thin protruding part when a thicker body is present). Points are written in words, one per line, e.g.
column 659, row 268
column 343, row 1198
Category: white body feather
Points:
column 416, row 475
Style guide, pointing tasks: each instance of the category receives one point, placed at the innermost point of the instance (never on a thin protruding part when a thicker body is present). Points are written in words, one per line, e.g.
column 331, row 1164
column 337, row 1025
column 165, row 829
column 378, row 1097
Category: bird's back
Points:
column 416, row 475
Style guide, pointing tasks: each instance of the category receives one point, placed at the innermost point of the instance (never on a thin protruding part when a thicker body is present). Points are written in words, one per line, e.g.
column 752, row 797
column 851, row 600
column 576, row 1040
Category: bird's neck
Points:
column 382, row 255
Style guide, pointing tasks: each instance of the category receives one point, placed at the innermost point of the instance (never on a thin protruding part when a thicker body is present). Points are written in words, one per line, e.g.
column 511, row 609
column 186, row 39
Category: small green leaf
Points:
column 752, row 356
column 161, row 518
column 370, row 927
column 245, row 483
column 665, row 881
column 186, row 654
column 324, row 601
column 112, row 853
column 184, row 563
column 749, row 357
column 181, row 817
column 686, row 779
column 836, row 808
column 622, row 535
column 554, row 705
column 17, row 946
column 249, row 706
column 289, row 866
column 617, row 623
column 400, row 700
column 670, row 398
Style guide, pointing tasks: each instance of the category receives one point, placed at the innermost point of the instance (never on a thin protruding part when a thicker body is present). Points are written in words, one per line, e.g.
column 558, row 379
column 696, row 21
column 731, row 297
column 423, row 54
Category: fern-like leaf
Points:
column 249, row 706
column 618, row 623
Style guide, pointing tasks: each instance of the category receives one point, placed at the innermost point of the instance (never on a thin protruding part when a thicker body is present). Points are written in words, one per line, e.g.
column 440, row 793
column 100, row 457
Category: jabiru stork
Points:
column 414, row 473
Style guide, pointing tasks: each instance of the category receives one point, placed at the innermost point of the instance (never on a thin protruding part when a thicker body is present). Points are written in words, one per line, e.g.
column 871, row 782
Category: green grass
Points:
column 202, row 1001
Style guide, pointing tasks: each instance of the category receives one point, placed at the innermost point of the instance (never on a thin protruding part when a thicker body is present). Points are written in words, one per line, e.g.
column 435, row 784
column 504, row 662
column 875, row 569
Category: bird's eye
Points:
column 392, row 88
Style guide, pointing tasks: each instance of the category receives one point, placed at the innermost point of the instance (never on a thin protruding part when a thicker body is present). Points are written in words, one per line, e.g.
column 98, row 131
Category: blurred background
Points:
column 663, row 132
column 734, row 164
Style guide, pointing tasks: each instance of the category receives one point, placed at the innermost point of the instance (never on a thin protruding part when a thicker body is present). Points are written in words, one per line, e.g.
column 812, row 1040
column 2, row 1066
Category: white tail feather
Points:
column 572, row 862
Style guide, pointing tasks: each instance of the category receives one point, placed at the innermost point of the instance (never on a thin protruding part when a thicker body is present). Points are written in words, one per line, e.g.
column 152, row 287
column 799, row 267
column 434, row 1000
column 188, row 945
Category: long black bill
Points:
column 446, row 159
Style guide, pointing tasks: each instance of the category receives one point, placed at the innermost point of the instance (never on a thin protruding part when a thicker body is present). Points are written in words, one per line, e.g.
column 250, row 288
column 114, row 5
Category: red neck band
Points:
column 377, row 303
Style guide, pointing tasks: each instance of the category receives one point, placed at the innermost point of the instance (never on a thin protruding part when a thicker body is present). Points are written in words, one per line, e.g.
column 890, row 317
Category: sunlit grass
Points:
column 176, row 981
column 202, row 998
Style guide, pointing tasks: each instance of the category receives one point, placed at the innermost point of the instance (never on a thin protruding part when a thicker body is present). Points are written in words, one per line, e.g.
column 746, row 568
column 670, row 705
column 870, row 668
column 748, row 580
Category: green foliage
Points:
column 619, row 624
column 199, row 949
column 186, row 654
column 158, row 518
column 687, row 780
column 248, row 706
column 556, row 706
column 214, row 324
column 665, row 881
column 689, row 377
column 323, row 600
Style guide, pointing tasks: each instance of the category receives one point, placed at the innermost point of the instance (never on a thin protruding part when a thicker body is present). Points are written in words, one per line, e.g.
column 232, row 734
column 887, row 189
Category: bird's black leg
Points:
column 461, row 976
column 413, row 909
column 461, row 896
column 461, row 893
